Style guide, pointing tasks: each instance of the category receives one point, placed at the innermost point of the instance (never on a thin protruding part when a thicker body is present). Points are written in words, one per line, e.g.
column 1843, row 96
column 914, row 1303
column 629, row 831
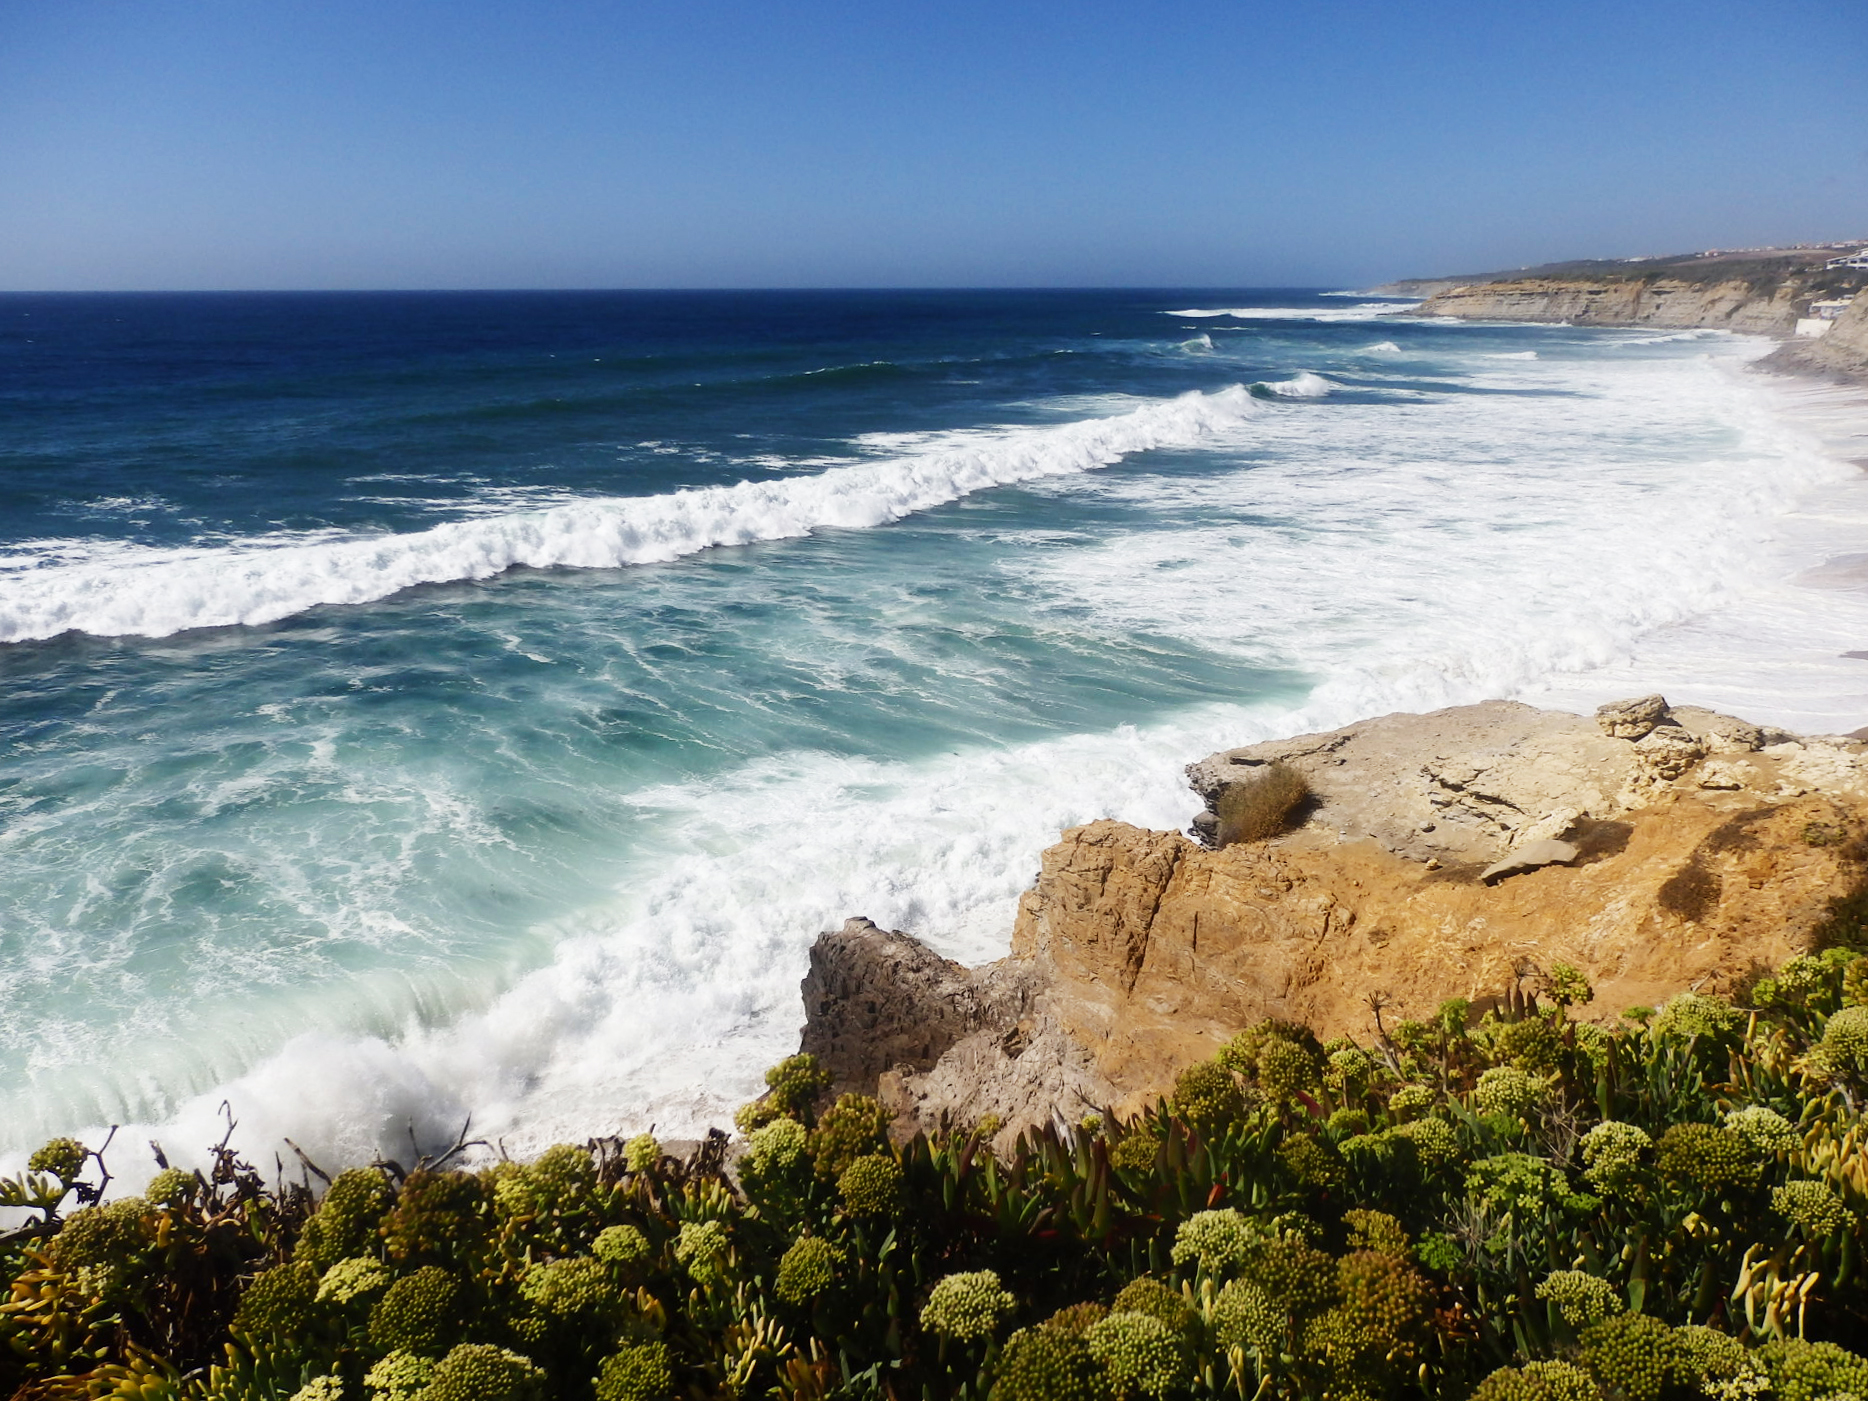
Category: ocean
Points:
column 439, row 709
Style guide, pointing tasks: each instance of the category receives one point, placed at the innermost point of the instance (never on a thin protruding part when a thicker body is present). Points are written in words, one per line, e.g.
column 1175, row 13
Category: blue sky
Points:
column 410, row 143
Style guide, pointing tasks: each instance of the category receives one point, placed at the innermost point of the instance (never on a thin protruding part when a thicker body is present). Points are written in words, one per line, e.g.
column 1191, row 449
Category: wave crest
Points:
column 156, row 592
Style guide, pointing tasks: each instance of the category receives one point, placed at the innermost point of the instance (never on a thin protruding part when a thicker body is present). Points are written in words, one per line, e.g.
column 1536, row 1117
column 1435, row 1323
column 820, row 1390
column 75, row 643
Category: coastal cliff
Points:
column 1760, row 292
column 1730, row 305
column 1457, row 854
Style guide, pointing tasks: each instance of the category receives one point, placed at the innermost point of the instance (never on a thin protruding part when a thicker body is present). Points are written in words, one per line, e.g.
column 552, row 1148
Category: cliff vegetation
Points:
column 1519, row 1206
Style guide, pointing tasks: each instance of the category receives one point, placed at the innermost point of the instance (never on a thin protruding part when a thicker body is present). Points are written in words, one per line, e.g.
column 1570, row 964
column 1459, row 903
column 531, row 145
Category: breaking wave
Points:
column 151, row 592
column 1362, row 311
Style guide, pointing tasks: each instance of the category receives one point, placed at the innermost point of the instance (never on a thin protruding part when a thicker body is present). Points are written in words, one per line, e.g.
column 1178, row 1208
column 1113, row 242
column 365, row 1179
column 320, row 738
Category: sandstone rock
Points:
column 1137, row 953
column 1631, row 719
column 1668, row 750
column 1529, row 856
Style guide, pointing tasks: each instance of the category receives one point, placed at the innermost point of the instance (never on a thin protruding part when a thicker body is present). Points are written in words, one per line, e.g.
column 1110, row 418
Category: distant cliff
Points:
column 1759, row 294
column 1729, row 306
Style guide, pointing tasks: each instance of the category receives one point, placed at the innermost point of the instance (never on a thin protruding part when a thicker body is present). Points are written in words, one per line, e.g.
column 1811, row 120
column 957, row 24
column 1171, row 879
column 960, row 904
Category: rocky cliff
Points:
column 1761, row 292
column 1842, row 352
column 1733, row 305
column 1452, row 854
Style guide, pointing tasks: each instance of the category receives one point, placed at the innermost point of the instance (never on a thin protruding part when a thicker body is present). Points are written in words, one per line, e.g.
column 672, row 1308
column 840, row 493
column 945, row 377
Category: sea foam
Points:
column 131, row 590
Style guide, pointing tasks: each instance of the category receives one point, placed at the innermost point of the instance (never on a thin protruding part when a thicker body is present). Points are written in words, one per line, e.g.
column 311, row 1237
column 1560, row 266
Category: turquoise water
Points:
column 416, row 706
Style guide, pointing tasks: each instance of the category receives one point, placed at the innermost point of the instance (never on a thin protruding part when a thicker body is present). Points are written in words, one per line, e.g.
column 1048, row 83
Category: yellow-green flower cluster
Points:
column 1613, row 1157
column 1567, row 987
column 636, row 1372
column 1219, row 1242
column 103, row 1245
column 418, row 1313
column 1507, row 1090
column 808, row 1269
column 967, row 1307
column 775, row 1152
column 642, row 1153
column 1383, row 1297
column 1049, row 1364
column 853, row 1127
column 871, row 1186
column 1635, row 1356
column 1245, row 1316
column 1411, row 1100
column 1845, row 1036
column 1521, row 1184
column 1726, row 1370
column 1434, row 1141
column 345, row 1223
column 1375, row 1230
column 356, row 1280
column 1708, row 1157
column 276, row 1303
column 1207, row 1097
column 1539, row 1381
column 1310, row 1162
column 321, row 1389
column 1690, row 1016
column 1813, row 1207
column 1765, row 1131
column 62, row 1158
column 1150, row 1296
column 577, row 1287
column 398, row 1377
column 171, row 1187
column 1531, row 1044
column 622, row 1246
column 1580, row 1297
column 1803, row 1371
column 1135, row 1151
column 1142, row 1355
column 702, row 1247
column 482, row 1372
column 795, row 1084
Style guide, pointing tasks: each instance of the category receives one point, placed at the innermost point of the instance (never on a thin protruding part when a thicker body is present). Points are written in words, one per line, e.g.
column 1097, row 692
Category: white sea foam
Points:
column 1382, row 348
column 127, row 589
column 1304, row 385
column 1363, row 311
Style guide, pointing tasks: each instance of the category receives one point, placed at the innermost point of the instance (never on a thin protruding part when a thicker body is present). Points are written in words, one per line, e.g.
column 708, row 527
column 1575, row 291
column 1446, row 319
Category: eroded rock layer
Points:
column 1655, row 848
